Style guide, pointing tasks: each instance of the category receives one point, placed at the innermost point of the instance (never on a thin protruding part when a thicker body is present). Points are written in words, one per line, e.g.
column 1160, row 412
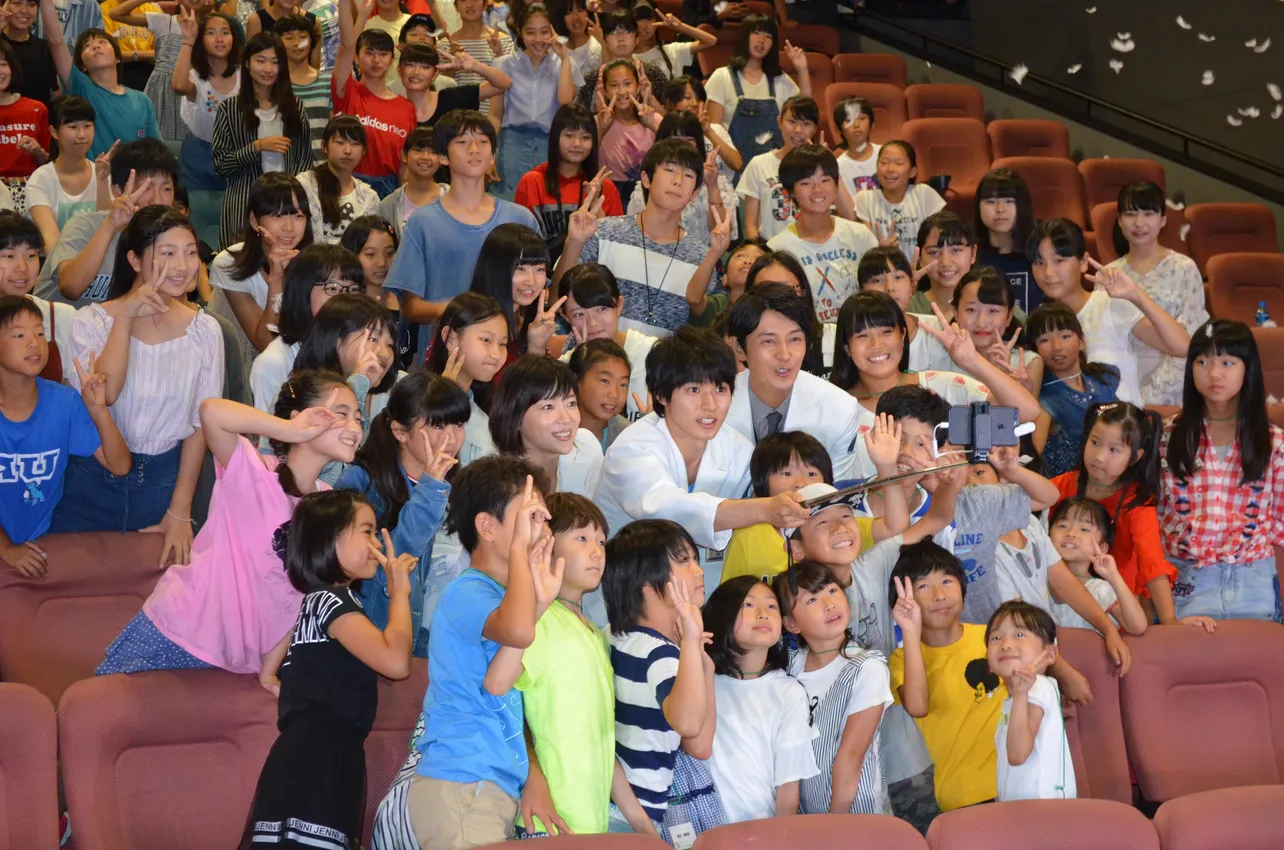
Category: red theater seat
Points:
column 1103, row 220
column 870, row 68
column 1020, row 137
column 1060, row 824
column 1229, row 229
column 958, row 147
column 715, row 57
column 28, row 770
column 1237, row 282
column 1055, row 185
column 820, row 69
column 1103, row 178
column 815, row 832
column 55, row 630
column 1203, row 712
column 945, row 100
column 592, row 842
column 1096, row 731
column 1241, row 818
column 888, row 102
column 163, row 760
column 812, row 37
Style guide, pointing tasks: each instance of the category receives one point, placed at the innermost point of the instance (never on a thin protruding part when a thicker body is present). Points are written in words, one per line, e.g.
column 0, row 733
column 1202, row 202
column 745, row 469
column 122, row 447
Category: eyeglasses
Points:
column 341, row 287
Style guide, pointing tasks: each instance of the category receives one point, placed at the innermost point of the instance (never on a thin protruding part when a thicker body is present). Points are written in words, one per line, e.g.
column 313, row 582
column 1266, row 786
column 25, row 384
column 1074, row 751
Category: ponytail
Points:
column 328, row 194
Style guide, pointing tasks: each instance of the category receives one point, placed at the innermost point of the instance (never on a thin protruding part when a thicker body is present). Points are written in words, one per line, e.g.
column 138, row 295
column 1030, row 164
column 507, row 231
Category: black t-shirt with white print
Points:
column 319, row 672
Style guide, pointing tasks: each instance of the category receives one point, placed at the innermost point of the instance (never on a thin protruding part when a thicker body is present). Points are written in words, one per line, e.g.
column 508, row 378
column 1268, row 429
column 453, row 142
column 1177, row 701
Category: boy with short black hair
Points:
column 43, row 423
column 79, row 268
column 124, row 114
column 654, row 259
column 828, row 247
column 768, row 207
column 442, row 240
column 387, row 117
column 858, row 165
column 474, row 759
column 19, row 269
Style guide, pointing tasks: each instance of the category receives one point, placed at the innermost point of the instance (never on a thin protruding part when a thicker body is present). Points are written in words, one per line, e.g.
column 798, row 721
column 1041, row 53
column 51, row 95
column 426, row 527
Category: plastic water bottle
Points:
column 1263, row 316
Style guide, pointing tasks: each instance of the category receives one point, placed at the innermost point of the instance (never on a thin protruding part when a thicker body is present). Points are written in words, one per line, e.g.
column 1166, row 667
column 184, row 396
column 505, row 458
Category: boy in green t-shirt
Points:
column 568, row 691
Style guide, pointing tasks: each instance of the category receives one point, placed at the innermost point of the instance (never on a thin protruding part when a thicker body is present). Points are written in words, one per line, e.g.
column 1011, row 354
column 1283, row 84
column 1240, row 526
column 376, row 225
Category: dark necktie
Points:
column 772, row 423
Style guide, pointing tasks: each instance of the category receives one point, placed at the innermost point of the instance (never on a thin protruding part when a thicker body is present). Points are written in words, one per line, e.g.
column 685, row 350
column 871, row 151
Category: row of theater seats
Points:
column 166, row 760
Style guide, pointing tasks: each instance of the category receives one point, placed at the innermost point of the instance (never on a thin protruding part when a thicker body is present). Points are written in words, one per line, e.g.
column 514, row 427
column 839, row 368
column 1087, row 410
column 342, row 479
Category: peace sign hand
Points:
column 146, row 300
column 919, row 272
column 396, row 567
column 956, row 341
column 907, row 613
column 720, row 235
column 797, row 57
column 124, row 205
column 643, row 407
column 437, row 461
column 188, row 25
column 102, row 162
column 93, row 385
column 711, row 170
column 886, row 239
column 582, row 224
column 1114, row 280
column 1001, row 352
column 454, row 365
column 495, row 41
column 368, row 362
column 542, row 326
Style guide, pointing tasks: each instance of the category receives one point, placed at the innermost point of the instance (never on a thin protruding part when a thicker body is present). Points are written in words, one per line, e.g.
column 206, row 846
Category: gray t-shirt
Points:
column 73, row 240
column 984, row 513
column 1023, row 573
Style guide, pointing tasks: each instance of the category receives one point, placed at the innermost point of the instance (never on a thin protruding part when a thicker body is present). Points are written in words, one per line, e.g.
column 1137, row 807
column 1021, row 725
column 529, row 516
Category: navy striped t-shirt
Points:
column 646, row 666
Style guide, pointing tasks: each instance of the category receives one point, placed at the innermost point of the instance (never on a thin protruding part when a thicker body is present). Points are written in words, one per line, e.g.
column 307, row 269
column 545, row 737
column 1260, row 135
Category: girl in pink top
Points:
column 233, row 606
column 626, row 123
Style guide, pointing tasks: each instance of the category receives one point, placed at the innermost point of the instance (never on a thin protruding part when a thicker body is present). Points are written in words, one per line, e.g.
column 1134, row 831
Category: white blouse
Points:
column 159, row 405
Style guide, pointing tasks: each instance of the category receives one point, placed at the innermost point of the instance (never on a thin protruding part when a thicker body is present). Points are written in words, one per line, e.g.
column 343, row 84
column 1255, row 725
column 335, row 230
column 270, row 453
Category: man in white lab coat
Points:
column 771, row 325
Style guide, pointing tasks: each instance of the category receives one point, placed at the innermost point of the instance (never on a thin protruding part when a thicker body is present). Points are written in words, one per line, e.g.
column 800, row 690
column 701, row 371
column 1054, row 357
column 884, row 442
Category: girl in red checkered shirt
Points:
column 1222, row 489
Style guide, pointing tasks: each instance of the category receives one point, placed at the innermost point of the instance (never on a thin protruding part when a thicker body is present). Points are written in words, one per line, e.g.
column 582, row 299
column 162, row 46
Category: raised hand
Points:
column 545, row 575
column 1103, row 563
column 437, row 461
column 146, row 300
column 531, row 516
column 886, row 239
column 883, row 442
column 396, row 567
column 711, row 169
column 956, row 341
column 124, row 205
column 102, row 163
column 797, row 57
column 670, row 21
column 1114, row 280
column 562, row 49
column 1020, row 682
column 1006, row 461
column 643, row 409
column 690, row 620
column 544, row 323
column 495, row 41
column 643, row 108
column 920, row 272
column 595, row 27
column 582, row 224
column 188, row 25
column 368, row 362
column 278, row 258
column 93, row 385
column 454, row 364
column 603, row 174
column 906, row 612
column 315, row 421
column 720, row 235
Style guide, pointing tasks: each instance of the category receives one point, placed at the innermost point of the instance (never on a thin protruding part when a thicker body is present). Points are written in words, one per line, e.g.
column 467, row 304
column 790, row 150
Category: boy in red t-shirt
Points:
column 387, row 117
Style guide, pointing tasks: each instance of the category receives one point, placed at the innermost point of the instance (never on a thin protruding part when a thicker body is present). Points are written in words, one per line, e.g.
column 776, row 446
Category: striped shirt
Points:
column 646, row 667
column 653, row 276
column 315, row 97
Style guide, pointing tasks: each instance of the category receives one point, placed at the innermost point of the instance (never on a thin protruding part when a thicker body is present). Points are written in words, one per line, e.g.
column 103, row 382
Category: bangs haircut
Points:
column 1027, row 617
column 861, row 312
column 814, row 361
column 952, row 231
column 532, row 378
column 300, row 391
column 522, row 15
column 683, row 125
column 148, row 225
column 1006, row 184
column 460, row 122
column 586, row 355
column 145, row 158
column 419, row 139
column 571, row 511
column 88, row 36
column 1066, row 238
column 487, row 486
column 590, row 285
column 877, row 262
column 621, row 20
column 1083, row 508
column 314, row 266
column 639, row 556
column 919, row 560
column 803, row 162
column 673, row 151
column 758, row 22
column 275, row 193
column 13, row 306
column 464, row 310
column 1142, row 196
column 507, row 248
column 18, row 231
column 910, row 401
column 339, row 318
column 676, row 90
column 358, row 233
column 993, row 288
column 802, row 107
column 721, row 612
column 906, row 148
column 775, row 452
column 746, row 314
column 376, row 41
column 690, row 356
column 70, row 109
column 849, row 109
column 201, row 59
column 1141, row 431
column 414, row 22
column 282, row 94
column 573, row 117
column 419, row 54
column 292, row 23
column 1054, row 317
column 15, row 66
column 806, row 576
column 1223, row 337
column 311, row 535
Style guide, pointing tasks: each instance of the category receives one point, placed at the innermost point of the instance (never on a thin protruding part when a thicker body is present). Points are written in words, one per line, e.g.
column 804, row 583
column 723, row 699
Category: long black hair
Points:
column 147, row 225
column 573, row 116
column 1004, row 183
column 757, row 22
column 275, row 193
column 721, row 611
column 201, row 60
column 863, row 311
column 299, row 392
column 1253, row 427
column 506, row 248
column 328, row 190
column 1141, row 431
column 1054, row 317
column 1141, row 196
column 339, row 318
column 419, row 397
column 282, row 91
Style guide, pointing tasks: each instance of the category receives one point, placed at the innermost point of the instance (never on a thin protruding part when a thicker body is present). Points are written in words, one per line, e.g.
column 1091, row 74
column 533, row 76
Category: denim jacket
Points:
column 417, row 525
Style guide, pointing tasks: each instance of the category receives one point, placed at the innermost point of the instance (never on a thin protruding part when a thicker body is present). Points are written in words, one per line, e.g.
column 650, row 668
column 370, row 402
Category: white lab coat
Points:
column 579, row 470
column 815, row 406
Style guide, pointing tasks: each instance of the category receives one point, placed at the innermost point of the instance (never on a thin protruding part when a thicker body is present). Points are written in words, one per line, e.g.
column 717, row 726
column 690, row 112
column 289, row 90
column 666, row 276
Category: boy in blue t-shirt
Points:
column 123, row 114
column 474, row 757
column 40, row 424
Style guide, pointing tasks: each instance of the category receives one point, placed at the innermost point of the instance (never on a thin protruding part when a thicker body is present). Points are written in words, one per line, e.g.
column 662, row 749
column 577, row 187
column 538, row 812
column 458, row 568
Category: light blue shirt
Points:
column 469, row 735
column 533, row 98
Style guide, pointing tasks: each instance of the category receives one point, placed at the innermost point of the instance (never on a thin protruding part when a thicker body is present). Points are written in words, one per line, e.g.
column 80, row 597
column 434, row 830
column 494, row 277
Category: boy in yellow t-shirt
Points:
column 941, row 674
column 793, row 460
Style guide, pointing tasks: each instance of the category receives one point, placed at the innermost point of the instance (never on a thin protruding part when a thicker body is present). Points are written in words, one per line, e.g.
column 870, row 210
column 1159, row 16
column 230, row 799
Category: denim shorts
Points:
column 1249, row 591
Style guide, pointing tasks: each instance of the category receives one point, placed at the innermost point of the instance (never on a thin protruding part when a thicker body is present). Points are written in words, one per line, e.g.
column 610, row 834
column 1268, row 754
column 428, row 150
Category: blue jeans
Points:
column 196, row 166
column 95, row 500
column 1228, row 591
column 383, row 186
column 520, row 150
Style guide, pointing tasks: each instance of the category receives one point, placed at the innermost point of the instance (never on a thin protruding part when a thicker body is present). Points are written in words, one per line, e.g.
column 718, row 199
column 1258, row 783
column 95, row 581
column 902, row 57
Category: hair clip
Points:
column 288, row 389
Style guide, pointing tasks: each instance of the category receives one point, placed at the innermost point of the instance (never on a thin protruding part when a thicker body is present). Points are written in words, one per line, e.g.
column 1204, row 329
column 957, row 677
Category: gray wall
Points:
column 1085, row 143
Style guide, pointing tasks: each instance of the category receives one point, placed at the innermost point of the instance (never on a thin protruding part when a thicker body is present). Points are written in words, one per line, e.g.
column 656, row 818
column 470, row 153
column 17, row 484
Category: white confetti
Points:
column 561, row 39
column 1274, row 91
column 1073, row 69
column 1181, row 22
column 1233, row 121
column 1249, row 111
column 1270, row 399
column 1123, row 45
column 1277, row 111
column 1185, row 228
column 1091, row 10
column 1207, row 38
column 1208, row 79
column 929, row 64
column 1116, row 65
column 1263, row 47
column 1124, row 36
column 853, row 111
column 1018, row 73
column 1252, row 42
column 763, row 138
column 1174, row 205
